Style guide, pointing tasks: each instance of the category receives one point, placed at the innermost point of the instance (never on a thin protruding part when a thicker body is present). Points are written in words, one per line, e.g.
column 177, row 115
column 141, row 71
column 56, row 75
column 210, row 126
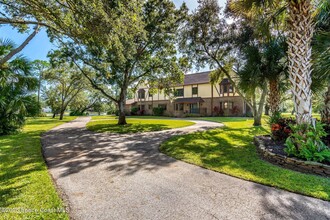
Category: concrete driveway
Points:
column 112, row 176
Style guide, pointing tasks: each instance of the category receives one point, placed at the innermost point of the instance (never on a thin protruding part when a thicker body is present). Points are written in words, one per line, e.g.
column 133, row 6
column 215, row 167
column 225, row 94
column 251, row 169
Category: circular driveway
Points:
column 113, row 176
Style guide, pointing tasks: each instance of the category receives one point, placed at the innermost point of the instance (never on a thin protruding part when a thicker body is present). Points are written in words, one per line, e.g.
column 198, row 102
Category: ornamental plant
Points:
column 305, row 142
column 280, row 127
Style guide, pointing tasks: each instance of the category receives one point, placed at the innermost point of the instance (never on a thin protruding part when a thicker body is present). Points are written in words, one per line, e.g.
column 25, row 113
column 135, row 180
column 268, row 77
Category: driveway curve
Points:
column 116, row 176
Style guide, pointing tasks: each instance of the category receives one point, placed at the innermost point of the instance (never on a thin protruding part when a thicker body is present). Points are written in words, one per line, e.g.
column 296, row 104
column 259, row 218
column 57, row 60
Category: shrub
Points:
column 306, row 143
column 218, row 111
column 134, row 110
column 32, row 107
column 140, row 112
column 280, row 127
column 234, row 110
column 42, row 114
column 326, row 139
column 76, row 113
column 158, row 111
column 248, row 114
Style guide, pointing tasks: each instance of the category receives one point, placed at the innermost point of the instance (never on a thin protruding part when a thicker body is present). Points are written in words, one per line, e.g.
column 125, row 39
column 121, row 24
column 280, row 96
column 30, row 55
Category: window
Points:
column 150, row 94
column 195, row 90
column 225, row 105
column 225, row 89
column 228, row 105
column 231, row 88
column 141, row 94
column 141, row 107
column 163, row 106
column 149, row 107
column 178, row 92
column 179, row 107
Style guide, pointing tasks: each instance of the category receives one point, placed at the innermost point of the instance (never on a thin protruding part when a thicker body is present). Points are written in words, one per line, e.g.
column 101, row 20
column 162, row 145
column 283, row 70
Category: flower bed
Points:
column 273, row 152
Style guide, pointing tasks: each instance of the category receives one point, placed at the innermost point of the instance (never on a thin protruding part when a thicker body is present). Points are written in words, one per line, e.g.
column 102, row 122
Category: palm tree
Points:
column 321, row 76
column 16, row 82
column 300, row 28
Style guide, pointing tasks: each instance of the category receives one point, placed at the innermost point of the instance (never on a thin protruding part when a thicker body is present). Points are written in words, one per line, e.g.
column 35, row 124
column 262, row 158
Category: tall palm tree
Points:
column 321, row 76
column 16, row 82
column 300, row 28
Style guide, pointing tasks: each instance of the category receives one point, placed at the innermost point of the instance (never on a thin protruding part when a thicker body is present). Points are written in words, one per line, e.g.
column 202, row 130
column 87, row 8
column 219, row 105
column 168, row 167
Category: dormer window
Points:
column 141, row 94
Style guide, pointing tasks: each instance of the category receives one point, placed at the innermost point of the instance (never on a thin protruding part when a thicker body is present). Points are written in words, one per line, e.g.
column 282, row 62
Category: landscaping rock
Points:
column 289, row 162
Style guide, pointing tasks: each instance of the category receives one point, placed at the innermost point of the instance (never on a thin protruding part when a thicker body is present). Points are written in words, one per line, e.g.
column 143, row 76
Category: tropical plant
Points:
column 32, row 106
column 280, row 127
column 16, row 82
column 300, row 28
column 308, row 146
column 321, row 46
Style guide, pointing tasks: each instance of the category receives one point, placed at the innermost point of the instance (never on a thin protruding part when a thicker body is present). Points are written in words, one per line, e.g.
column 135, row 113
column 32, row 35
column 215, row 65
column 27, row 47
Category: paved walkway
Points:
column 125, row 177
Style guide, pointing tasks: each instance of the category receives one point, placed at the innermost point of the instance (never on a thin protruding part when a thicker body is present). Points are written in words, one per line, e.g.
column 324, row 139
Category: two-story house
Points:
column 195, row 96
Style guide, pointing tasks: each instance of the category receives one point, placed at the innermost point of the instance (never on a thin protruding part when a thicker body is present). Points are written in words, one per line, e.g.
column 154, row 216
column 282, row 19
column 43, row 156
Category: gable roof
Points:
column 197, row 78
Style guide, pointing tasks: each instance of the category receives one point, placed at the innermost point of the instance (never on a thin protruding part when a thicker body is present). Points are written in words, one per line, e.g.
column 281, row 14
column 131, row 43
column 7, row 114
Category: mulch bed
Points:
column 277, row 147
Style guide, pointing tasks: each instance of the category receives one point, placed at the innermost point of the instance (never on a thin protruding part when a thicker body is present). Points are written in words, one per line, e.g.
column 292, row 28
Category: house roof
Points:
column 130, row 101
column 189, row 100
column 197, row 78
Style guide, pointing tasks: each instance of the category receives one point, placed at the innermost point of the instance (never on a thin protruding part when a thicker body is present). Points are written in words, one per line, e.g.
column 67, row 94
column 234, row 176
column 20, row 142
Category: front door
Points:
column 194, row 108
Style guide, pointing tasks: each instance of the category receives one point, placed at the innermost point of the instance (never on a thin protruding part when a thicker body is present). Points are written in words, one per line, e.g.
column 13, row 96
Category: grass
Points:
column 289, row 115
column 25, row 184
column 230, row 150
column 135, row 125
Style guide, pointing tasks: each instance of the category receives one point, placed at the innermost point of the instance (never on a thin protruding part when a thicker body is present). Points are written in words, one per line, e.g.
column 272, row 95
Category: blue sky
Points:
column 40, row 44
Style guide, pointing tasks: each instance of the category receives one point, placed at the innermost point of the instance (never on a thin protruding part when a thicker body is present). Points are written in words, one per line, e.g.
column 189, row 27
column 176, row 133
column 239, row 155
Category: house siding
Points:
column 226, row 100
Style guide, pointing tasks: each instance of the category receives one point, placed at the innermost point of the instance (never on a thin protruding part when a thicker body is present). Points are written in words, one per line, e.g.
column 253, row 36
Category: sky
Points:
column 40, row 45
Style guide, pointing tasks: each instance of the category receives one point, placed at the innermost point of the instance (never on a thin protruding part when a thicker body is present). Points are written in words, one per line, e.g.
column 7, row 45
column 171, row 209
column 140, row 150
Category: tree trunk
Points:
column 20, row 48
column 301, row 29
column 267, row 109
column 54, row 114
column 258, row 110
column 61, row 115
column 274, row 97
column 121, row 114
column 39, row 87
column 257, row 119
column 325, row 113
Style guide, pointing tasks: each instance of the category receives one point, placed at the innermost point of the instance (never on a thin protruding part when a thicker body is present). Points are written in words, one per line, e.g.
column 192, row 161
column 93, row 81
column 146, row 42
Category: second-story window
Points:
column 178, row 92
column 231, row 88
column 225, row 89
column 141, row 94
column 195, row 90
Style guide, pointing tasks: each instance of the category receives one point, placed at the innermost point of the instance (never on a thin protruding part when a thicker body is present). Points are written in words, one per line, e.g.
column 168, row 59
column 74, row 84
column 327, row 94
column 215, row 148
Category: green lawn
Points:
column 230, row 150
column 135, row 125
column 25, row 183
column 289, row 115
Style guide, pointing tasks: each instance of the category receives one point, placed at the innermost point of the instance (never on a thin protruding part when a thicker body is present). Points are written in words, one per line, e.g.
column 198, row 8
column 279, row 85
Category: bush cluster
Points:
column 158, row 111
column 308, row 141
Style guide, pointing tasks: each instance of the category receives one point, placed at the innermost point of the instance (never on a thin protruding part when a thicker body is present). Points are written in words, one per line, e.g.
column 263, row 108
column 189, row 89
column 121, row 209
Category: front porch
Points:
column 184, row 106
